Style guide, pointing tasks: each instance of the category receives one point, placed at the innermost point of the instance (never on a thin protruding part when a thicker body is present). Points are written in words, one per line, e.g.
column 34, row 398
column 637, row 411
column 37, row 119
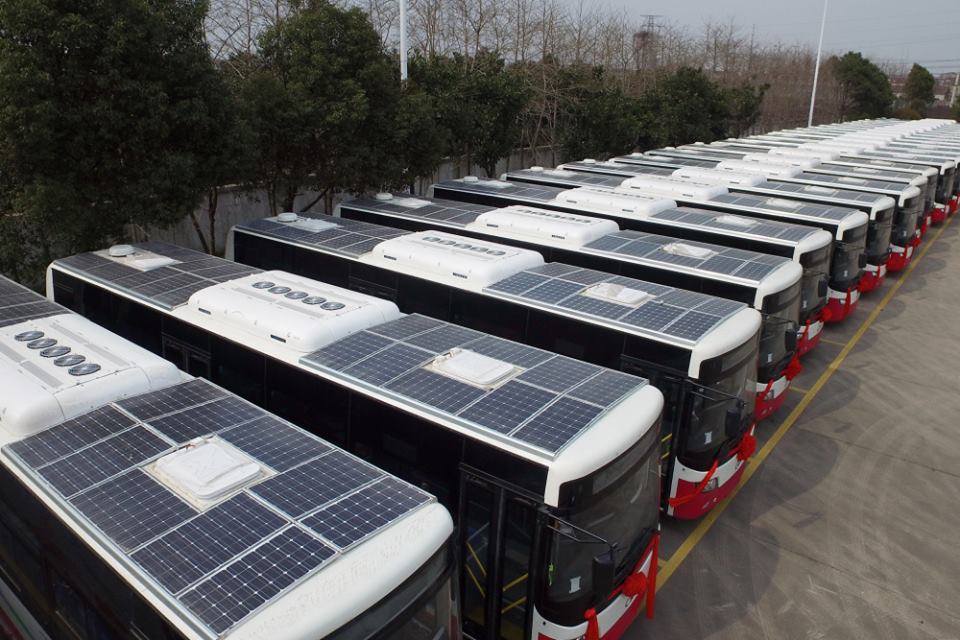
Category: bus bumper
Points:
column 614, row 620
column 770, row 396
column 900, row 257
column 686, row 483
column 940, row 212
column 809, row 337
column 873, row 276
column 840, row 304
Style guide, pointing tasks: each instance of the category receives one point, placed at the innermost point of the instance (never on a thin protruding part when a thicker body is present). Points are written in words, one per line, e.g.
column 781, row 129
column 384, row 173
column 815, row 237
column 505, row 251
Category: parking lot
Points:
column 846, row 524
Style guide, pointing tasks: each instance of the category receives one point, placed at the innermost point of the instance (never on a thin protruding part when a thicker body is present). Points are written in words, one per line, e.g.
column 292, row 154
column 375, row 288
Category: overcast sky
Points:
column 924, row 31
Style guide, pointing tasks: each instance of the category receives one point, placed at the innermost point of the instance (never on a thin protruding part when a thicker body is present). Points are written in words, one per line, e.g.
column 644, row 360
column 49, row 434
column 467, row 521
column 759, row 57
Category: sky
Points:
column 923, row 31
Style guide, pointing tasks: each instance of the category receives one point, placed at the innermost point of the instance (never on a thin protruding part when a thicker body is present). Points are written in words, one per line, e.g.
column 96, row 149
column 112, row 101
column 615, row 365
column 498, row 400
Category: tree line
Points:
column 124, row 115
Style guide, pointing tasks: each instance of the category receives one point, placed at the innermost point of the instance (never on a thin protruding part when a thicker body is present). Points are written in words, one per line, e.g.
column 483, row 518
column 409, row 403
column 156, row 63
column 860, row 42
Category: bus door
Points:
column 497, row 533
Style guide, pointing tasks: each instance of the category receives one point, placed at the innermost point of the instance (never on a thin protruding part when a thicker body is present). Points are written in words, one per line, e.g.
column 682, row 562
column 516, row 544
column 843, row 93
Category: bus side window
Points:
column 477, row 513
column 238, row 369
column 22, row 569
column 75, row 614
column 518, row 546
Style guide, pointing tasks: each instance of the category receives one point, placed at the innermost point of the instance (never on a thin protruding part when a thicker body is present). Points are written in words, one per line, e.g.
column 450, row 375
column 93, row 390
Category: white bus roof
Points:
column 768, row 169
column 603, row 201
column 226, row 519
column 601, row 237
column 401, row 362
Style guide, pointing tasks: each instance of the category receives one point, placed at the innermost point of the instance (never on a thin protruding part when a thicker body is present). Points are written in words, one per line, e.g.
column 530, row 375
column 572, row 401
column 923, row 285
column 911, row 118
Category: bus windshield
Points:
column 845, row 267
column 422, row 608
column 777, row 334
column 878, row 236
column 619, row 504
column 813, row 289
column 723, row 409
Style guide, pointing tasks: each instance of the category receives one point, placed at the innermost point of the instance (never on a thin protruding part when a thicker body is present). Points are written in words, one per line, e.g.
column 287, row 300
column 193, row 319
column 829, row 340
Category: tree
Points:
column 918, row 89
column 599, row 121
column 864, row 90
column 321, row 103
column 955, row 110
column 107, row 112
column 683, row 107
column 479, row 101
column 744, row 104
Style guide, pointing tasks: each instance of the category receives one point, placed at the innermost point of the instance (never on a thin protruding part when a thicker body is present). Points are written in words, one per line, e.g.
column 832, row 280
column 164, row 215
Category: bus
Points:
column 653, row 214
column 614, row 321
column 793, row 185
column 535, row 453
column 770, row 284
column 140, row 502
column 848, row 226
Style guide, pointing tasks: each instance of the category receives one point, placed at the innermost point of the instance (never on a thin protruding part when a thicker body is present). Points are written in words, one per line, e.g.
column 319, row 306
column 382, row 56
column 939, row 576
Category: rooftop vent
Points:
column 736, row 221
column 782, row 203
column 688, row 250
column 121, row 250
column 812, row 188
column 287, row 216
column 206, row 470
column 618, row 293
column 473, row 368
column 136, row 258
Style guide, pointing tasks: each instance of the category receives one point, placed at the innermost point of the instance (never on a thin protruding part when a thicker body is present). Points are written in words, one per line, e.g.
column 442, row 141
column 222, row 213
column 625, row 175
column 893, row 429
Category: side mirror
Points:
column 732, row 422
column 791, row 339
column 863, row 260
column 603, row 574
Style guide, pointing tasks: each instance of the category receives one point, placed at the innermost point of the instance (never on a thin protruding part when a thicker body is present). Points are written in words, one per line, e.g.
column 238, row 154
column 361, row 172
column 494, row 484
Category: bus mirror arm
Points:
column 603, row 569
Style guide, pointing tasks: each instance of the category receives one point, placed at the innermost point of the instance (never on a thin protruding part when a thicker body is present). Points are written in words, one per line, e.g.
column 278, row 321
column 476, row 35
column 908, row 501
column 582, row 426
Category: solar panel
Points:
column 360, row 514
column 818, row 212
column 507, row 407
column 557, row 423
column 451, row 213
column 74, row 473
column 71, row 435
column 227, row 559
column 189, row 552
column 167, row 286
column 518, row 283
column 606, row 388
column 132, row 509
column 205, row 419
column 350, row 237
column 178, row 398
column 303, row 488
column 653, row 316
column 256, row 577
column 559, row 374
column 403, row 368
column 274, row 443
column 578, row 302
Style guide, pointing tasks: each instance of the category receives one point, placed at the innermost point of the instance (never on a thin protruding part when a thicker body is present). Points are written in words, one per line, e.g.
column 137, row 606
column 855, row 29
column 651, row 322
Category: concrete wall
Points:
column 237, row 205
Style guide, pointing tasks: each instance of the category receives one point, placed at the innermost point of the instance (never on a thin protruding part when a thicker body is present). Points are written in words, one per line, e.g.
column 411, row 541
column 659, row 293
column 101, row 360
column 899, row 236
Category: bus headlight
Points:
column 712, row 485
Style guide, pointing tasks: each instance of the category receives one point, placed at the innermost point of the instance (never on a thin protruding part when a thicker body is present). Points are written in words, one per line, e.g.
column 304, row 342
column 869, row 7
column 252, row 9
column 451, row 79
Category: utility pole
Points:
column 816, row 68
column 403, row 40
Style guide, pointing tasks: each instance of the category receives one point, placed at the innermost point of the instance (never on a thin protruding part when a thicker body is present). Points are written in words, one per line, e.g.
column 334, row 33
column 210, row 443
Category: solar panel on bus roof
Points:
column 844, row 185
column 350, row 237
column 19, row 304
column 168, row 286
column 453, row 213
column 360, row 514
column 823, row 212
column 224, row 562
column 520, row 286
column 241, row 587
column 206, row 418
column 839, row 193
column 542, row 377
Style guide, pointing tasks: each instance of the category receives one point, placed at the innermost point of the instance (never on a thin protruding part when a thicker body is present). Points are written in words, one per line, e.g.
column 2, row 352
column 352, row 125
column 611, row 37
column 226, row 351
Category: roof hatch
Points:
column 139, row 259
column 618, row 293
column 687, row 250
column 473, row 368
column 206, row 471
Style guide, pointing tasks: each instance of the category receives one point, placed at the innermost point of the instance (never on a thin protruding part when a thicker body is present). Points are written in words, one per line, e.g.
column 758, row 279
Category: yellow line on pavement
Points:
column 671, row 565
